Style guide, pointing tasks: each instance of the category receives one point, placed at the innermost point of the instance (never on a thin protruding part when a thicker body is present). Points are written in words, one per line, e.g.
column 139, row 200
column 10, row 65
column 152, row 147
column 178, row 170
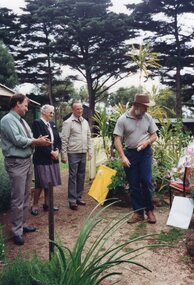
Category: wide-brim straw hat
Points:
column 143, row 99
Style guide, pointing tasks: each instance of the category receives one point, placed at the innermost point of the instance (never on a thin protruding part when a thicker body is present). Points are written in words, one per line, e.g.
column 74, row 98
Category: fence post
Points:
column 92, row 168
column 51, row 221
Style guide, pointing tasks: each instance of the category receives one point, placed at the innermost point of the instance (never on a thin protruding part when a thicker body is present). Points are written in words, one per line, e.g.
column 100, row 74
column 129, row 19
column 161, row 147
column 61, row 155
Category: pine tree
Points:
column 36, row 55
column 8, row 74
column 171, row 38
column 92, row 40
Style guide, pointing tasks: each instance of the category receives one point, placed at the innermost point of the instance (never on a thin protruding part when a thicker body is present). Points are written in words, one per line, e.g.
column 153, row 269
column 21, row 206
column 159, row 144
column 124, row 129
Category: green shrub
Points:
column 167, row 151
column 119, row 181
column 19, row 271
column 5, row 190
column 2, row 245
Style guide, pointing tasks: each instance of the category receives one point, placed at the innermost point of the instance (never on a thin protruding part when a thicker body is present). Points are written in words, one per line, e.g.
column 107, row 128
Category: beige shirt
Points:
column 133, row 131
column 75, row 136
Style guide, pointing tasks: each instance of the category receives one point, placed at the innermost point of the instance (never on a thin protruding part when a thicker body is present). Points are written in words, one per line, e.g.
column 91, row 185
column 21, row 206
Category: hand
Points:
column 55, row 154
column 63, row 160
column 125, row 161
column 42, row 141
column 143, row 144
column 89, row 156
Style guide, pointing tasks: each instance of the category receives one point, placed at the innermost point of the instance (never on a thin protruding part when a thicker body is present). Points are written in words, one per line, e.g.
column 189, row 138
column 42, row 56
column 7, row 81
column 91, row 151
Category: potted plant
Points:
column 119, row 188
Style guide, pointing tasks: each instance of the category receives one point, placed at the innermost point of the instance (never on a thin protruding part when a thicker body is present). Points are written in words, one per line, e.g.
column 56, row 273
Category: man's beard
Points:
column 138, row 113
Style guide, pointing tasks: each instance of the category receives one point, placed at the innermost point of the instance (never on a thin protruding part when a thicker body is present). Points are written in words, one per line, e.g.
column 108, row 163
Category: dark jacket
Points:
column 42, row 153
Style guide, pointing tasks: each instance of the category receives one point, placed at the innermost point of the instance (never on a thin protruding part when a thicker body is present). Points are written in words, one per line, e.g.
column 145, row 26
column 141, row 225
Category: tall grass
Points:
column 91, row 261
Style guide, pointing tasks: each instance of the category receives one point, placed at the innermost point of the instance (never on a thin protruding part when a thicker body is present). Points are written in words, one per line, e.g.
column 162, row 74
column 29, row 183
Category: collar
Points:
column 15, row 114
column 128, row 115
column 44, row 121
column 74, row 118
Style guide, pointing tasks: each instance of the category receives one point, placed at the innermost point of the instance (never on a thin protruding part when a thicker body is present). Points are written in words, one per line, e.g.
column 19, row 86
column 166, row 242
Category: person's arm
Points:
column 39, row 138
column 64, row 140
column 41, row 141
column 119, row 147
column 152, row 138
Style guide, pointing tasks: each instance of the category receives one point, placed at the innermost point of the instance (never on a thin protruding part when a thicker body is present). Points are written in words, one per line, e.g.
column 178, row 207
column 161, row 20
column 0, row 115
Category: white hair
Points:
column 46, row 108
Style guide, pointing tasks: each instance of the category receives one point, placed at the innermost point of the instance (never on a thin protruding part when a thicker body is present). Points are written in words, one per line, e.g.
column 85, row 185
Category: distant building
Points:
column 6, row 93
column 188, row 124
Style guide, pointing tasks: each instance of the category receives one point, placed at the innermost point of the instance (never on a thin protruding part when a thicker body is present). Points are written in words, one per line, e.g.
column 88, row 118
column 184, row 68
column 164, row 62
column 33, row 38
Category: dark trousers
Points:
column 77, row 169
column 139, row 176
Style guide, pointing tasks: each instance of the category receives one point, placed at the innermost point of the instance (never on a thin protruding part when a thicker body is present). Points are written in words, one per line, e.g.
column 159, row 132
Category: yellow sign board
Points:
column 99, row 188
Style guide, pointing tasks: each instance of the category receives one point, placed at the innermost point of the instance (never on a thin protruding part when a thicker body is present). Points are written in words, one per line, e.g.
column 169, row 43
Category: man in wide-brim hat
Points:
column 138, row 130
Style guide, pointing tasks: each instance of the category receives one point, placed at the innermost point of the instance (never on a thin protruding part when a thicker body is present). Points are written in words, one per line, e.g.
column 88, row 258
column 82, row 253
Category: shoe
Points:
column 151, row 217
column 28, row 229
column 81, row 202
column 34, row 212
column 18, row 239
column 136, row 217
column 46, row 207
column 73, row 206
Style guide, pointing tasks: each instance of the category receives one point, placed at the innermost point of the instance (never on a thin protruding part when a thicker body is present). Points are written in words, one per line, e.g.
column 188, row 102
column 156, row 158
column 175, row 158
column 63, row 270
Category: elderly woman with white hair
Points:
column 45, row 159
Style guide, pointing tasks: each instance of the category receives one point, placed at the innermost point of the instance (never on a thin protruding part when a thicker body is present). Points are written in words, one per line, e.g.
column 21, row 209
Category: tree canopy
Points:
column 171, row 39
column 92, row 41
column 99, row 44
column 8, row 74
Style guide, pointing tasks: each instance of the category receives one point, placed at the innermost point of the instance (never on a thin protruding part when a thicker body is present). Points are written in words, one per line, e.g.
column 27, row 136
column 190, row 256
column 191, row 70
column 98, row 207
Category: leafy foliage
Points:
column 171, row 236
column 8, row 74
column 2, row 245
column 145, row 58
column 35, row 58
column 123, row 96
column 167, row 150
column 5, row 190
column 171, row 37
column 89, row 262
column 119, row 181
column 102, row 126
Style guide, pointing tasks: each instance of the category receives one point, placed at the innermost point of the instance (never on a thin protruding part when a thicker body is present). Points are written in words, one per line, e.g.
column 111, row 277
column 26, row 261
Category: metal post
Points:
column 51, row 221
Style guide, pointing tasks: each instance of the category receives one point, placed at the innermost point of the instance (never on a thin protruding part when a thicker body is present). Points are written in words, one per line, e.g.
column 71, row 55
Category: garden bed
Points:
column 168, row 265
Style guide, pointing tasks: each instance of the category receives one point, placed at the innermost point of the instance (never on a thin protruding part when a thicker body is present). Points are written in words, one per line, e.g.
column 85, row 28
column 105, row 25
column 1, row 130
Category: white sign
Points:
column 181, row 212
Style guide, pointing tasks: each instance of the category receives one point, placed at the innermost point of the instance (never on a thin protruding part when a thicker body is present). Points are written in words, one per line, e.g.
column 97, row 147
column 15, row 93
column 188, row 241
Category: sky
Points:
column 118, row 7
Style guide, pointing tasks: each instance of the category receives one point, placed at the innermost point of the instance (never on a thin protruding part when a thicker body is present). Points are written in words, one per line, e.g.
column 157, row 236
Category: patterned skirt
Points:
column 45, row 174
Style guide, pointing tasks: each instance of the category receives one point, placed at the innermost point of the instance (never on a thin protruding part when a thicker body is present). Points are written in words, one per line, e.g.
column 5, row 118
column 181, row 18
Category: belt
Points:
column 135, row 149
column 18, row 157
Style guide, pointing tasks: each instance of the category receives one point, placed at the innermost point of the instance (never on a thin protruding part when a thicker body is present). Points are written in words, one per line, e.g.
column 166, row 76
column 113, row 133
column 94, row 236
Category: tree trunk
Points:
column 91, row 94
column 50, row 91
column 178, row 93
column 178, row 73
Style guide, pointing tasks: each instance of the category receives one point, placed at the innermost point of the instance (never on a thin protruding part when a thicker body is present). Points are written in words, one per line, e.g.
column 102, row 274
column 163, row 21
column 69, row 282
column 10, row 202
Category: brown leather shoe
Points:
column 73, row 206
column 151, row 217
column 137, row 217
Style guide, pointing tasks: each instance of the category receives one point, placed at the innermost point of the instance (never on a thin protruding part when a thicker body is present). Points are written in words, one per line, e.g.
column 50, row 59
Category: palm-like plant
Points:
column 90, row 261
column 101, row 120
column 145, row 58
